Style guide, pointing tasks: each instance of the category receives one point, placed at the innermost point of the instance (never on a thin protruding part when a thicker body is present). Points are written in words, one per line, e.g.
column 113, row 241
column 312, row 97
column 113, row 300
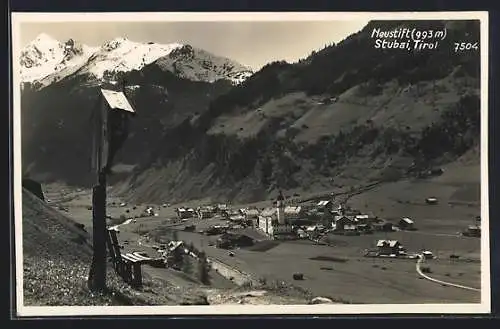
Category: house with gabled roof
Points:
column 389, row 247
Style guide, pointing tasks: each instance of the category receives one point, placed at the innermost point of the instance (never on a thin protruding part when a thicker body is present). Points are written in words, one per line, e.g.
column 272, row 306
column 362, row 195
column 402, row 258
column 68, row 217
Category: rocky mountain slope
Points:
column 348, row 114
column 167, row 84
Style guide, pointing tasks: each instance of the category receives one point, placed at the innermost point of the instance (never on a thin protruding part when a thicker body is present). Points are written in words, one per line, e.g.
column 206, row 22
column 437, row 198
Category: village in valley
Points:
column 314, row 243
column 310, row 220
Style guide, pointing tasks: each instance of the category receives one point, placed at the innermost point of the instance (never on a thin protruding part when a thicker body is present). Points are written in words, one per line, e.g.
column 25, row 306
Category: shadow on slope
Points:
column 56, row 258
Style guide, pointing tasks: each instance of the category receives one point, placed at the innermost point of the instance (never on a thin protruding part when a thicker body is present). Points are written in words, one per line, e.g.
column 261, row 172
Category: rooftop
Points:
column 390, row 243
column 293, row 209
column 407, row 220
column 268, row 212
column 117, row 100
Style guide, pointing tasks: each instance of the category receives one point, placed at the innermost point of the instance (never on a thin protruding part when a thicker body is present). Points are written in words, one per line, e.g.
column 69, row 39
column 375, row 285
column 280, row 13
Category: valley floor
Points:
column 355, row 280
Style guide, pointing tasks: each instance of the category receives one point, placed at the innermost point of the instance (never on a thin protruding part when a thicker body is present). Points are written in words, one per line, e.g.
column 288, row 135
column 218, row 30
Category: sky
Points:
column 250, row 43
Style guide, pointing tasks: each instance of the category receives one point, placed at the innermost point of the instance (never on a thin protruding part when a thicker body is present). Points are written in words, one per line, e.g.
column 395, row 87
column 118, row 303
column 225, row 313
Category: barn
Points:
column 406, row 224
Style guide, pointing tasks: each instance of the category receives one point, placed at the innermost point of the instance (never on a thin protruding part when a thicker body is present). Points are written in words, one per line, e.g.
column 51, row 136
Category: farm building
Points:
column 149, row 211
column 365, row 219
column 427, row 254
column 251, row 214
column 389, row 247
column 301, row 233
column 231, row 213
column 343, row 223
column 205, row 212
column 431, row 200
column 382, row 227
column 336, row 212
column 315, row 228
column 221, row 208
column 174, row 245
column 350, row 230
column 406, row 224
column 351, row 212
column 473, row 231
column 236, row 218
column 324, row 206
column 184, row 213
column 294, row 212
column 173, row 253
column 366, row 228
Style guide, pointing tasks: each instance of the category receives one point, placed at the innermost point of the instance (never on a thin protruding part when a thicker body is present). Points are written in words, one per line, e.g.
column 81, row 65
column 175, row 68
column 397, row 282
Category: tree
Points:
column 203, row 268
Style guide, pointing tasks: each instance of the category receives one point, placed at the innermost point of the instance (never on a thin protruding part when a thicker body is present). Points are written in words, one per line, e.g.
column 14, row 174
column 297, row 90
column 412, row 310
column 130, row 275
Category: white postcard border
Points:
column 483, row 307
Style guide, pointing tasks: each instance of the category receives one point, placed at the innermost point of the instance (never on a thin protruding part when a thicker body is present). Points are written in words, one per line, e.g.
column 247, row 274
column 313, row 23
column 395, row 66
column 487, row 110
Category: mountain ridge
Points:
column 307, row 125
column 46, row 60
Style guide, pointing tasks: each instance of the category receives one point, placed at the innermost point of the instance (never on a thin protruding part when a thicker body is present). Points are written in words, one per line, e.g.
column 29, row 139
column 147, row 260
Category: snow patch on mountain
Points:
column 123, row 55
column 45, row 56
column 45, row 61
column 198, row 65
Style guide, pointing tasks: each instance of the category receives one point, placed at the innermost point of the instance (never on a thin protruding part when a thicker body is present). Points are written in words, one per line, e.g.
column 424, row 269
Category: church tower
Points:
column 280, row 211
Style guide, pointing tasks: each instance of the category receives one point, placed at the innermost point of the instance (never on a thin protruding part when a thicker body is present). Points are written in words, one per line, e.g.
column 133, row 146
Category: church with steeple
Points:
column 273, row 221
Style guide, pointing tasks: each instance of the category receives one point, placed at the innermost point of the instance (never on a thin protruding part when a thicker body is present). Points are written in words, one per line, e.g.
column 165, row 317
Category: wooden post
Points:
column 137, row 280
column 97, row 276
column 101, row 162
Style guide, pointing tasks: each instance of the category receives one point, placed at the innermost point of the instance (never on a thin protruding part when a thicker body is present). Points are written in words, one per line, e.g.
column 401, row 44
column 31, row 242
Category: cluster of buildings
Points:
column 285, row 221
column 202, row 212
column 221, row 211
column 307, row 221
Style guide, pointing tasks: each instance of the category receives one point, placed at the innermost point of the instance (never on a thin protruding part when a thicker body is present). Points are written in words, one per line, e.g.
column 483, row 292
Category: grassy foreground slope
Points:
column 56, row 258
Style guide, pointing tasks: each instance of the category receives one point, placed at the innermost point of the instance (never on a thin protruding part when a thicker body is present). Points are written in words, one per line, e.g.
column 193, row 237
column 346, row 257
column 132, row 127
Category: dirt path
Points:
column 419, row 271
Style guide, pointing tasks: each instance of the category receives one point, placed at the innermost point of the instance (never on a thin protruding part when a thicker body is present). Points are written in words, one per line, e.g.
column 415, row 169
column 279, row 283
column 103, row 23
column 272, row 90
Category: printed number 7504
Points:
column 461, row 46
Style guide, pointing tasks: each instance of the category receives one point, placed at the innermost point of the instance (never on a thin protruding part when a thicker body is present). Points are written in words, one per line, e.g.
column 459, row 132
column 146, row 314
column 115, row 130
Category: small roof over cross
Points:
column 280, row 196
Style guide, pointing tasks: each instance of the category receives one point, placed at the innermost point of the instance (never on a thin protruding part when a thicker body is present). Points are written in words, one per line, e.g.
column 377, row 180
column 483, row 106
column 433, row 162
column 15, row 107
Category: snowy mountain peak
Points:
column 199, row 65
column 46, row 60
column 124, row 55
column 46, row 55
column 116, row 43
